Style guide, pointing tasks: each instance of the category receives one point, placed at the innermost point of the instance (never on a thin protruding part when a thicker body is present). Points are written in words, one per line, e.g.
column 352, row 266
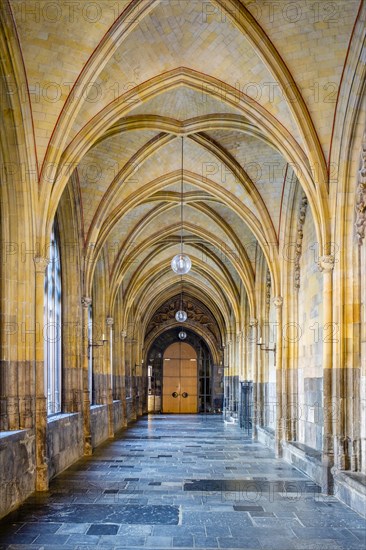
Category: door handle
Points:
column 175, row 394
column 184, row 394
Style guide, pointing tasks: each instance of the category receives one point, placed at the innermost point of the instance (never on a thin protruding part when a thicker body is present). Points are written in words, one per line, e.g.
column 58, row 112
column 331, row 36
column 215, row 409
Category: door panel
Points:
column 180, row 379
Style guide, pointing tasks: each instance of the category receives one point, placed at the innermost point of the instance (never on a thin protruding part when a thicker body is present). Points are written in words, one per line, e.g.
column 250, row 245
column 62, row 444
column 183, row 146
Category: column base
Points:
column 42, row 478
column 327, row 482
column 88, row 449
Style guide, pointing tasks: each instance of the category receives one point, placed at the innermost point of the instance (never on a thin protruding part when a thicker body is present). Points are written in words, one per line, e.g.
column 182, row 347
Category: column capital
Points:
column 85, row 301
column 253, row 322
column 110, row 321
column 124, row 333
column 278, row 302
column 326, row 263
column 41, row 263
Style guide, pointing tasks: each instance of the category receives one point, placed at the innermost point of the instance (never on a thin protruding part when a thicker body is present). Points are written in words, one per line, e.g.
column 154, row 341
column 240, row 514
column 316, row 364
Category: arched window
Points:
column 52, row 329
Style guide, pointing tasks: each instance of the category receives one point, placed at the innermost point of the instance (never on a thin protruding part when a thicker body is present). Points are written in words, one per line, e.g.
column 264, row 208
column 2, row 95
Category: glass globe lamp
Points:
column 181, row 264
column 181, row 316
column 182, row 335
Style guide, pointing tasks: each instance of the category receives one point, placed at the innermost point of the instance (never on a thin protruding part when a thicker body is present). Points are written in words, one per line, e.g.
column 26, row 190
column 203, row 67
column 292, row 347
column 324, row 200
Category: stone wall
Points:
column 130, row 410
column 310, row 341
column 99, row 424
column 64, row 442
column 17, row 468
column 117, row 416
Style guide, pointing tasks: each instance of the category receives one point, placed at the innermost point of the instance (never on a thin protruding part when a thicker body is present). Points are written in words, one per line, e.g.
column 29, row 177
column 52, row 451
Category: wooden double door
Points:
column 180, row 382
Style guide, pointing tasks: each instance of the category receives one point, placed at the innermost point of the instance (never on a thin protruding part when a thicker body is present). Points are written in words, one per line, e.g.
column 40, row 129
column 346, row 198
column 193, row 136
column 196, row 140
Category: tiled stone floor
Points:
column 183, row 482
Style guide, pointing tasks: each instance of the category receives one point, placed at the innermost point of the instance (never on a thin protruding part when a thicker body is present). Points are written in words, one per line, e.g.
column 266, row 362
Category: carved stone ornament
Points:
column 197, row 313
column 299, row 237
column 278, row 301
column 253, row 322
column 268, row 288
column 85, row 301
column 360, row 205
column 40, row 263
column 124, row 333
column 326, row 263
column 110, row 321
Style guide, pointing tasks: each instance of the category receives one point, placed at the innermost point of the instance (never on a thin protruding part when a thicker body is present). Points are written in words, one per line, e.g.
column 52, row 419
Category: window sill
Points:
column 9, row 433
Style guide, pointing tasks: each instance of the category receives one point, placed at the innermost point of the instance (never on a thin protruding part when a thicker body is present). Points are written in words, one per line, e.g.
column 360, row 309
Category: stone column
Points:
column 278, row 302
column 110, row 379
column 40, row 265
column 326, row 265
column 86, row 302
column 254, row 326
column 123, row 377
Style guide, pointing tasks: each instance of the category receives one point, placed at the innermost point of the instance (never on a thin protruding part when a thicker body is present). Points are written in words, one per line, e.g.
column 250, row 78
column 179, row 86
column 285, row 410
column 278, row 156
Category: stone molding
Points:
column 253, row 322
column 360, row 206
column 299, row 238
column 268, row 288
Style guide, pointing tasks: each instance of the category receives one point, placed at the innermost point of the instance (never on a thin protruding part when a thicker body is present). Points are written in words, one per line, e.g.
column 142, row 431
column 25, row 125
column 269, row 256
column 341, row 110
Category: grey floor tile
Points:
column 158, row 542
column 129, row 494
column 205, row 542
column 183, row 541
column 242, row 542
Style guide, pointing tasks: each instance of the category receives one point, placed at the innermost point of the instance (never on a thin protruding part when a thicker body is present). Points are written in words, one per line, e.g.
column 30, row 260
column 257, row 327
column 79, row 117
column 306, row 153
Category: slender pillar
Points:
column 253, row 341
column 280, row 419
column 326, row 265
column 40, row 264
column 123, row 377
column 110, row 379
column 86, row 302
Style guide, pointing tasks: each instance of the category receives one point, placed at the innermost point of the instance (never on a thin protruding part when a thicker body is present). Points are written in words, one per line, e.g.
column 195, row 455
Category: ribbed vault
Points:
column 151, row 76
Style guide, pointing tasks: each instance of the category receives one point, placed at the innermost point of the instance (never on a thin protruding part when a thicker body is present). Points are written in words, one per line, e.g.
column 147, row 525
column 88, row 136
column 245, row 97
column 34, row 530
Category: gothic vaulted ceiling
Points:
column 113, row 87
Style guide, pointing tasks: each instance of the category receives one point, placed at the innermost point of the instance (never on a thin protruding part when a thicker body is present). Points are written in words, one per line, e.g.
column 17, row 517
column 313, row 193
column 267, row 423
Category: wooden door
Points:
column 180, row 379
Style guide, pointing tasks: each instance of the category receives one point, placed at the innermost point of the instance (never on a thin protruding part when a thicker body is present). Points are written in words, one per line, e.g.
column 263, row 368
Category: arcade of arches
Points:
column 268, row 101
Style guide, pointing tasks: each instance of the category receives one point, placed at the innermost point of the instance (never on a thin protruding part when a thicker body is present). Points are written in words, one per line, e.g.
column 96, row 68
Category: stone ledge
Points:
column 12, row 433
column 60, row 416
column 304, row 458
column 350, row 488
column 266, row 436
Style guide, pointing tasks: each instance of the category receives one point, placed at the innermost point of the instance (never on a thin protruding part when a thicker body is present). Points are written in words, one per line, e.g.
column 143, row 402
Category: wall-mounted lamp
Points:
column 92, row 344
column 263, row 348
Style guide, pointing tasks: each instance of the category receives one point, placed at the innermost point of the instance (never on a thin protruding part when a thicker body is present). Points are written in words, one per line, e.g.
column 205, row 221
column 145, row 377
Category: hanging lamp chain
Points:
column 181, row 203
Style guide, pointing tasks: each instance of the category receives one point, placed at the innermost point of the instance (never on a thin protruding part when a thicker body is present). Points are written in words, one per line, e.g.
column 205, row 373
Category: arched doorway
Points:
column 180, row 379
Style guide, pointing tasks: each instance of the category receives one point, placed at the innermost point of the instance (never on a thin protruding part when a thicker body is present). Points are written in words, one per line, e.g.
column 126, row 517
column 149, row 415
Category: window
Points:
column 52, row 329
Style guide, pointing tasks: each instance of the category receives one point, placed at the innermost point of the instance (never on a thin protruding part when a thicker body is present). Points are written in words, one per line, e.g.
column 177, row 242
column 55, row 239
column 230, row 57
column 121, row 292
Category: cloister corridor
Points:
column 183, row 481
column 182, row 274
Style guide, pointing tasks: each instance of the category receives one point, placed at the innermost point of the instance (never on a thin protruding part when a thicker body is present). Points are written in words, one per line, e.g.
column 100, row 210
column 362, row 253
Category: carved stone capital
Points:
column 40, row 264
column 124, row 333
column 326, row 263
column 253, row 322
column 278, row 301
column 85, row 301
column 110, row 321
